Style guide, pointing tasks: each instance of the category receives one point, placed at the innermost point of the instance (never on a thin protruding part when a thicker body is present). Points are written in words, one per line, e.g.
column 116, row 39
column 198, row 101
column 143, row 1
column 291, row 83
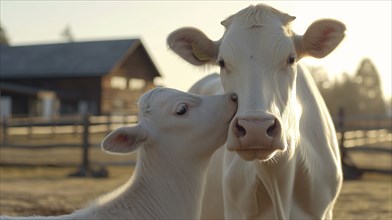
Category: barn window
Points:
column 118, row 82
column 118, row 104
column 136, row 84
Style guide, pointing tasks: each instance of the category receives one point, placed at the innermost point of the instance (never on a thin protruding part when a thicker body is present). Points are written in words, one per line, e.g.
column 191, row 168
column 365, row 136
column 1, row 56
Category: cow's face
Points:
column 258, row 57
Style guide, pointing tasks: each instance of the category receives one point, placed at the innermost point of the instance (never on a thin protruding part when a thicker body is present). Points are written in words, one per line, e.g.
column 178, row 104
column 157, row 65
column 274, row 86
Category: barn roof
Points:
column 75, row 59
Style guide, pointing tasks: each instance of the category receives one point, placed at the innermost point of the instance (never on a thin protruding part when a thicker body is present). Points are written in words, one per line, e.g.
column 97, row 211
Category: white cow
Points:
column 176, row 135
column 282, row 158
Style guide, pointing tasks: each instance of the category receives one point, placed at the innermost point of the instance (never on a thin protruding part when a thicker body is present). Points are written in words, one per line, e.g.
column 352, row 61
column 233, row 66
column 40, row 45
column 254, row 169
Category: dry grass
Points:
column 48, row 191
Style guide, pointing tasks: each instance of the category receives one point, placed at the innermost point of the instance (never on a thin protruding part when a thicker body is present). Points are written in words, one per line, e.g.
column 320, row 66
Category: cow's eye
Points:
column 182, row 109
column 291, row 59
column 221, row 63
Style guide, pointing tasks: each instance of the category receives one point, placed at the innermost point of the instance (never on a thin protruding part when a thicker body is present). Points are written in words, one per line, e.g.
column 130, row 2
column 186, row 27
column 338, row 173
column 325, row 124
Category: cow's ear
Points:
column 193, row 45
column 321, row 38
column 124, row 140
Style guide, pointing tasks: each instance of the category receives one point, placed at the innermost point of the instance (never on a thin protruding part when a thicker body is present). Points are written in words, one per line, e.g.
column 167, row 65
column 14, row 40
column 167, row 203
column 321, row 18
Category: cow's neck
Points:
column 289, row 181
column 277, row 179
column 318, row 144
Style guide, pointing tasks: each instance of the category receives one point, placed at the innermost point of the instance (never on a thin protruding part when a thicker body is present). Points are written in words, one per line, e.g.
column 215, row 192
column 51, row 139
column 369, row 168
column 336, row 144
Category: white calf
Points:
column 176, row 135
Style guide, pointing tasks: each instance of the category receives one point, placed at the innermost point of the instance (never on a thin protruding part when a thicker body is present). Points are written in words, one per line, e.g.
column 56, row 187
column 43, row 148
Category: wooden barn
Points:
column 98, row 77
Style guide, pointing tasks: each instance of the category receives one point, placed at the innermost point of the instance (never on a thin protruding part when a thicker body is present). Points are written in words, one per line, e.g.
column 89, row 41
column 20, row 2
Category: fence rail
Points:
column 354, row 133
column 357, row 134
column 61, row 125
column 83, row 126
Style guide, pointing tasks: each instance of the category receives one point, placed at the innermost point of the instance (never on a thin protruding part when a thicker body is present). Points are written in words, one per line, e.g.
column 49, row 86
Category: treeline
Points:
column 359, row 94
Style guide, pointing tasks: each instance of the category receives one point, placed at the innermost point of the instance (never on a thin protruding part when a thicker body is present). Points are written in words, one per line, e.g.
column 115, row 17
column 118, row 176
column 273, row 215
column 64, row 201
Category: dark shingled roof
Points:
column 76, row 59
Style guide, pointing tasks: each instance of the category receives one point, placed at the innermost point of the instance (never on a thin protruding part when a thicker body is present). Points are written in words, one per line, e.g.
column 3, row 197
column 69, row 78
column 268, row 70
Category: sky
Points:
column 40, row 22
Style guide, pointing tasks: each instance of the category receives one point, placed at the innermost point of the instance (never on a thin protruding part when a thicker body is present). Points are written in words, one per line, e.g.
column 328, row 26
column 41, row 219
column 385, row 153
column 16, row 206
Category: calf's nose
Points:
column 234, row 97
column 258, row 133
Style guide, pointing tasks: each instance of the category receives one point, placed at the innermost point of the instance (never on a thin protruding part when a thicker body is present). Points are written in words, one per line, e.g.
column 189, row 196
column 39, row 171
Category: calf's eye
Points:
column 182, row 109
column 291, row 60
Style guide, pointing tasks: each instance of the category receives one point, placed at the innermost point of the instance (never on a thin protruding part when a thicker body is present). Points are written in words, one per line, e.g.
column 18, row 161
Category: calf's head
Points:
column 176, row 122
column 258, row 57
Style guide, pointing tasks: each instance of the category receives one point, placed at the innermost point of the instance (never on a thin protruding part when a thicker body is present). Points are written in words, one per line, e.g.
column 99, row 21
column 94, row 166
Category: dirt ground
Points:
column 48, row 190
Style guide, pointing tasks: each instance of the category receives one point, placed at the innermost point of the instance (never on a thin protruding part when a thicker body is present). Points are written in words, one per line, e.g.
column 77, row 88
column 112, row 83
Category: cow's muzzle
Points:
column 256, row 135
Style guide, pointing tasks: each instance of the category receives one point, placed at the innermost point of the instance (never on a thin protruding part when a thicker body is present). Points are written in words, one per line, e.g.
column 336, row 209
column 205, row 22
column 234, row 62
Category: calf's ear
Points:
column 124, row 140
column 193, row 46
column 321, row 38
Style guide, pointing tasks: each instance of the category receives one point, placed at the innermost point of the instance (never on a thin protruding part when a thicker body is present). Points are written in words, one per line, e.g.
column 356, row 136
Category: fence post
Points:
column 30, row 127
column 76, row 124
column 84, row 169
column 109, row 123
column 350, row 171
column 85, row 142
column 4, row 125
column 125, row 120
column 53, row 128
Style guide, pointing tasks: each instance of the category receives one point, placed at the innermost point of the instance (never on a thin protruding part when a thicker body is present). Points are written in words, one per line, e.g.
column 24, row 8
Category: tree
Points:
column 3, row 37
column 320, row 77
column 67, row 34
column 358, row 95
column 389, row 107
column 336, row 93
column 345, row 94
column 368, row 81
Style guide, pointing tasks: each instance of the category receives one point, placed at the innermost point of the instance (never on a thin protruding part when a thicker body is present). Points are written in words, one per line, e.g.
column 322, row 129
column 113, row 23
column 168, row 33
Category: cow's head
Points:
column 258, row 57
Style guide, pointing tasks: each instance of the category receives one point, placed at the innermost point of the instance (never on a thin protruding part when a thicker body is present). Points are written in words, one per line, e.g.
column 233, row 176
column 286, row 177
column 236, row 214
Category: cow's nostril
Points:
column 274, row 129
column 241, row 130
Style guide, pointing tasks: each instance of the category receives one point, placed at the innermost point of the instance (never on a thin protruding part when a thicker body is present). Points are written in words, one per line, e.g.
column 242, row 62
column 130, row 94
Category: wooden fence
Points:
column 362, row 134
column 82, row 126
column 354, row 133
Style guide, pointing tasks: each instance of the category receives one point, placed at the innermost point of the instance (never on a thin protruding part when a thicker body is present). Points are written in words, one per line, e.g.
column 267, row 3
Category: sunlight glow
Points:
column 368, row 29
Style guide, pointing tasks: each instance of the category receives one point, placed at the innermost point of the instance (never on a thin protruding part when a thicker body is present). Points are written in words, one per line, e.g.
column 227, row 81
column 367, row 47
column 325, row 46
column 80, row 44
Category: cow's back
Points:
column 208, row 85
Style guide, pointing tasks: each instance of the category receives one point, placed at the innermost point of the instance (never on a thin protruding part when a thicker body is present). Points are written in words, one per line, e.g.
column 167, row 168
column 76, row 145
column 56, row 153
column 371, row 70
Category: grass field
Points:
column 48, row 191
